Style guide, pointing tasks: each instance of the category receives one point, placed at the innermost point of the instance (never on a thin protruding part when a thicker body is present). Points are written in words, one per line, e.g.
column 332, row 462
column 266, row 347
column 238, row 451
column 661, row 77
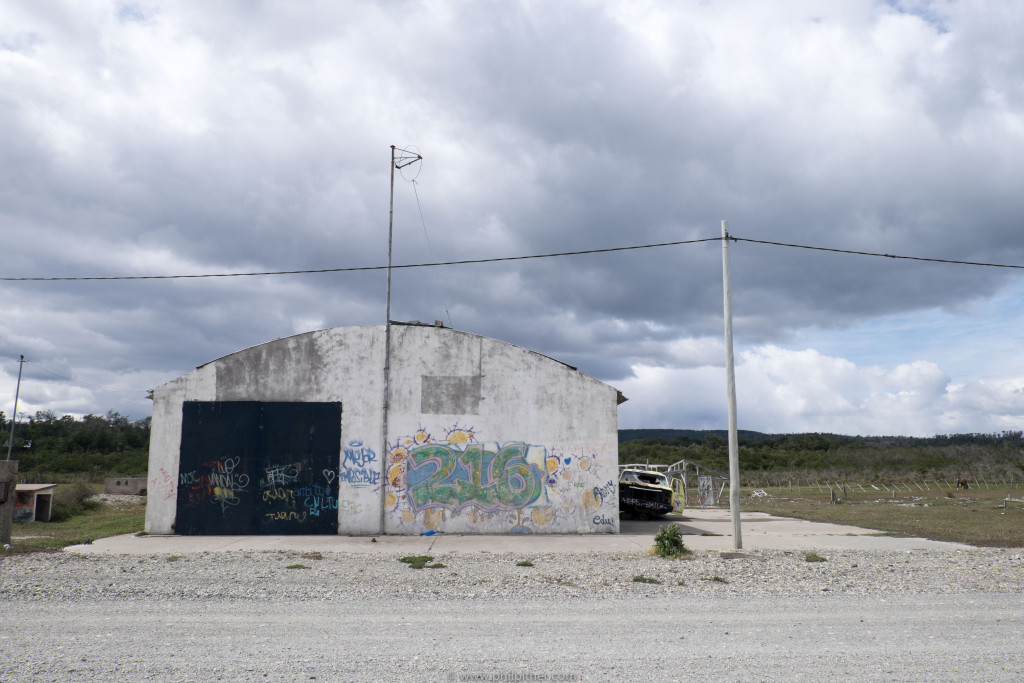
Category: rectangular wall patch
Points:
column 451, row 395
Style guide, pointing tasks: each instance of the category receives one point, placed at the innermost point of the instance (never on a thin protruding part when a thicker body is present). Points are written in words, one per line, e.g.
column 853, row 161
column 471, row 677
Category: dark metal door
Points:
column 249, row 467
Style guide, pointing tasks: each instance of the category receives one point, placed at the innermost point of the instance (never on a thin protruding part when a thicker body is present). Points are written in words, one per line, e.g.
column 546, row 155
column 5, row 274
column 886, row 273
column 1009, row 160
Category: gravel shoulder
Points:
column 323, row 576
column 751, row 616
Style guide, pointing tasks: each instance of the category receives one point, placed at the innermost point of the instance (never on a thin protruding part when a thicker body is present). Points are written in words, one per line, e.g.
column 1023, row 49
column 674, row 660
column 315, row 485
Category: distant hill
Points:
column 1007, row 438
column 697, row 435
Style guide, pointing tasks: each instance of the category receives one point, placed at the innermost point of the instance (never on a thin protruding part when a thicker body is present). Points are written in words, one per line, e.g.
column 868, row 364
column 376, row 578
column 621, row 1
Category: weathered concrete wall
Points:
column 165, row 444
column 486, row 437
column 483, row 436
column 134, row 486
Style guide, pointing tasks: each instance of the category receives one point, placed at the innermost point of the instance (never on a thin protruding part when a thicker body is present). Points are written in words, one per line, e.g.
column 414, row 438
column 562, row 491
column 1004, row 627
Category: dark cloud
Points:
column 143, row 138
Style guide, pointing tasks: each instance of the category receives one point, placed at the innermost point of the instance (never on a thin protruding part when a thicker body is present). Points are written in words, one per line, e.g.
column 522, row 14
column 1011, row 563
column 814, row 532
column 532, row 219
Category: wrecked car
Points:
column 644, row 494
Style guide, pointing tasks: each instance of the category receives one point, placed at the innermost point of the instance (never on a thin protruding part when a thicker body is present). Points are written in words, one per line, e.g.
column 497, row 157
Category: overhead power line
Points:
column 358, row 268
column 508, row 258
column 871, row 253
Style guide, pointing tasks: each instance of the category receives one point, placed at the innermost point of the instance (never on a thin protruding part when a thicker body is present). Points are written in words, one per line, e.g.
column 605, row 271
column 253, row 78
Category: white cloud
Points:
column 780, row 391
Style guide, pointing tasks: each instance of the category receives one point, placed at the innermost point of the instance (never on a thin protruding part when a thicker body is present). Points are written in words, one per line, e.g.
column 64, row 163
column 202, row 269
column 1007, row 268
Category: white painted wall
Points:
column 459, row 395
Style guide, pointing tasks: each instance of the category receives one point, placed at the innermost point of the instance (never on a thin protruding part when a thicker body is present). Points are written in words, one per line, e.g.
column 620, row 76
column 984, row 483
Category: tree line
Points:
column 93, row 445
column 999, row 455
column 115, row 445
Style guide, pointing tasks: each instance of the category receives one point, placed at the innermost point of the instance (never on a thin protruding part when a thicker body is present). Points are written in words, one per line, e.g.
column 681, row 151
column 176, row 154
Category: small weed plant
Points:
column 668, row 542
column 524, row 563
column 645, row 579
column 421, row 561
column 813, row 557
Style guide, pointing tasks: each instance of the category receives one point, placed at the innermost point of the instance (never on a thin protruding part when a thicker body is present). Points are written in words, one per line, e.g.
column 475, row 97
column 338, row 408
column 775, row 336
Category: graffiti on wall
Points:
column 513, row 486
column 359, row 466
column 250, row 467
column 279, row 494
column 163, row 485
column 440, row 475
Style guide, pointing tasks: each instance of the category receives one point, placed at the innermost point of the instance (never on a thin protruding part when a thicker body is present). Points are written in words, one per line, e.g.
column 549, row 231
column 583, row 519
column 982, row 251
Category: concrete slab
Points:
column 703, row 529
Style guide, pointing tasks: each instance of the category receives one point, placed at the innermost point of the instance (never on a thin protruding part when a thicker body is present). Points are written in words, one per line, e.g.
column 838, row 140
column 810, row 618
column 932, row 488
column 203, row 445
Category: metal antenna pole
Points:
column 387, row 349
column 400, row 158
column 14, row 417
column 734, row 455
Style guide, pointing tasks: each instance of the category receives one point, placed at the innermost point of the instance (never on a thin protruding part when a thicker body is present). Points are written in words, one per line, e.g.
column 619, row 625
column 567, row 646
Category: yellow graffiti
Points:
column 591, row 500
column 460, row 436
column 542, row 516
column 390, row 500
column 278, row 494
column 398, row 455
column 585, row 464
column 396, row 476
column 433, row 518
column 551, row 463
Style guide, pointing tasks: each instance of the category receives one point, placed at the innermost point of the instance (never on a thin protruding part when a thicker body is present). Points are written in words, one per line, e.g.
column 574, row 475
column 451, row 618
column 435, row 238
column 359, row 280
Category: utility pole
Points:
column 734, row 448
column 400, row 158
column 14, row 417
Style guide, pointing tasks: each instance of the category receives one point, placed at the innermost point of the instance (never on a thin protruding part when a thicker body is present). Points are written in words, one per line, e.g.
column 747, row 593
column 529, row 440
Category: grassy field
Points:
column 98, row 521
column 976, row 517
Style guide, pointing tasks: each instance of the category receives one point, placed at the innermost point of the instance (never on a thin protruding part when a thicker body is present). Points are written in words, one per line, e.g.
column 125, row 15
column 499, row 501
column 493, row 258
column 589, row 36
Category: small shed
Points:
column 33, row 502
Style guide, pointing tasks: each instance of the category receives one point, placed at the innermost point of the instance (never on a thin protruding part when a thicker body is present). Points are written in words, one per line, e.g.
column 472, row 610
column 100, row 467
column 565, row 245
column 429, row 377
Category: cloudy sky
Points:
column 163, row 138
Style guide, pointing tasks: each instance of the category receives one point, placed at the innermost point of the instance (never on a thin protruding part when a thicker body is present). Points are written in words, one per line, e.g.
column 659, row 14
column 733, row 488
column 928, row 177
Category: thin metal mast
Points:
column 400, row 158
column 734, row 457
column 14, row 417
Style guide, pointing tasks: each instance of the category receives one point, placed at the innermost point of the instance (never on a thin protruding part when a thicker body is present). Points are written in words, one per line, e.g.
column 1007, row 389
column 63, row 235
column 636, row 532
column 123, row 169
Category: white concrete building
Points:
column 293, row 437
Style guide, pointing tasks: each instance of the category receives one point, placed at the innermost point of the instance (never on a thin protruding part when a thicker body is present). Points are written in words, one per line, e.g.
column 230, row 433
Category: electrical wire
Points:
column 509, row 258
column 356, row 268
column 429, row 250
column 871, row 253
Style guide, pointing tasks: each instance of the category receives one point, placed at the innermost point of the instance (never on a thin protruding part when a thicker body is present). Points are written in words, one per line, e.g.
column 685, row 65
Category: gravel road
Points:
column 767, row 615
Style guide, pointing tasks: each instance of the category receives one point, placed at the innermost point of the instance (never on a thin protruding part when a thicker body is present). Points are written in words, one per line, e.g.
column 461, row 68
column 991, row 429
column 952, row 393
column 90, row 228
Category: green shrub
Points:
column 70, row 500
column 668, row 542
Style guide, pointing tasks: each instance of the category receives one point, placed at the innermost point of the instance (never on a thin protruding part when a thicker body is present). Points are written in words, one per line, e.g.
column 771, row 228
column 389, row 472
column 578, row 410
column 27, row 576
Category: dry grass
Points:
column 976, row 517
